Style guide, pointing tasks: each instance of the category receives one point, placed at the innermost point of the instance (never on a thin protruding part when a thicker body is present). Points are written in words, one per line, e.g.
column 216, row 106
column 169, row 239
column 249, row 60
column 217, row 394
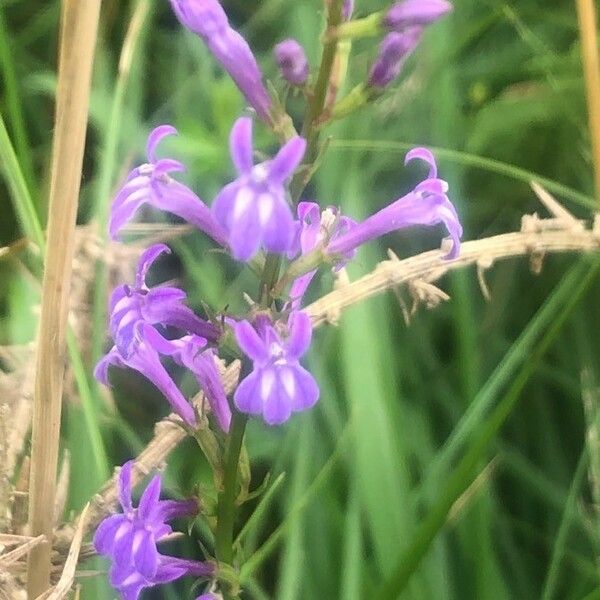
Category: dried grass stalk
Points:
column 79, row 26
column 586, row 13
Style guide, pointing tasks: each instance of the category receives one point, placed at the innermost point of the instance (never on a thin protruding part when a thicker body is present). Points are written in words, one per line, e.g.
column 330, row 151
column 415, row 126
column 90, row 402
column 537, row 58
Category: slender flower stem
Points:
column 79, row 28
column 591, row 67
column 226, row 503
column 314, row 110
column 270, row 275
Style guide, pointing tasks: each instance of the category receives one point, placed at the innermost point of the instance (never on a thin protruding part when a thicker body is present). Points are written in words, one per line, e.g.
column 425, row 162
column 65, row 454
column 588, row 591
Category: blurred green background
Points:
column 378, row 469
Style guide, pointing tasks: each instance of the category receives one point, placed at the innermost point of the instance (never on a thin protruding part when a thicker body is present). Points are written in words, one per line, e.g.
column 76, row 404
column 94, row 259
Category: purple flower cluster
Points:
column 130, row 540
column 134, row 313
column 254, row 219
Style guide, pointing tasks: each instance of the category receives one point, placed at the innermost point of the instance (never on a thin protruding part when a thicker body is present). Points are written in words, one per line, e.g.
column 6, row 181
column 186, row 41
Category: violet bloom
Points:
column 393, row 52
column 408, row 13
column 191, row 352
column 278, row 385
column 207, row 19
column 129, row 539
column 292, row 61
column 427, row 204
column 130, row 305
column 254, row 209
column 145, row 359
column 317, row 228
column 151, row 184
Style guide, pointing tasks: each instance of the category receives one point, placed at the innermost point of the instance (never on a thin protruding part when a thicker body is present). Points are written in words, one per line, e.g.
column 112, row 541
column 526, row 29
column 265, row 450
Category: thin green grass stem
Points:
column 472, row 160
column 466, row 470
column 569, row 515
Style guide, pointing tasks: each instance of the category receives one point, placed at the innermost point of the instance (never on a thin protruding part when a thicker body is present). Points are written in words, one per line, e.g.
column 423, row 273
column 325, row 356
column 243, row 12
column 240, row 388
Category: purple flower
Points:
column 129, row 539
column 393, row 52
column 427, row 204
column 292, row 62
column 207, row 19
column 254, row 209
column 278, row 385
column 347, row 9
column 317, row 228
column 130, row 305
column 190, row 352
column 415, row 12
column 145, row 359
column 151, row 184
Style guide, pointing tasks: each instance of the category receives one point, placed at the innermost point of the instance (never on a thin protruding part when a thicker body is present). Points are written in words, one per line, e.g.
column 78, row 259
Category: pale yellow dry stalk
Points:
column 79, row 27
column 586, row 13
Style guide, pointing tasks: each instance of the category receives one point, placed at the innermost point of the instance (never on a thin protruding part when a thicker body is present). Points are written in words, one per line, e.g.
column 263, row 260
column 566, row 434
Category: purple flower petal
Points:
column 154, row 139
column 108, row 530
column 208, row 20
column 408, row 13
column 393, row 52
column 285, row 162
column 306, row 391
column 300, row 334
column 125, row 486
column 149, row 499
column 250, row 342
column 247, row 396
column 240, row 145
column 146, row 260
column 144, row 553
column 425, row 155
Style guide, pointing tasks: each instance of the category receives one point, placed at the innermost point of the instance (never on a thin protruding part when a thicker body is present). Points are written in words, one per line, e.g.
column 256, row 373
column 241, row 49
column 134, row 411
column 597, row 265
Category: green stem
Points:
column 226, row 502
column 315, row 108
column 270, row 275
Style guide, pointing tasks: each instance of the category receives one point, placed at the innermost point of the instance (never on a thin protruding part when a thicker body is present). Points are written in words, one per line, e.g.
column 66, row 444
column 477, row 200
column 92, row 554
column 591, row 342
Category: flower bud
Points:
column 393, row 52
column 409, row 13
column 292, row 62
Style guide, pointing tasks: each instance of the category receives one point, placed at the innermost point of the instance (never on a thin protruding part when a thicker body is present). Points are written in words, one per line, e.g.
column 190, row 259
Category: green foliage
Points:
column 446, row 458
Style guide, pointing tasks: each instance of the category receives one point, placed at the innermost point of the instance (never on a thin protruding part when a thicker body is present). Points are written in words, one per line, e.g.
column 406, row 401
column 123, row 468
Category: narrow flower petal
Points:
column 154, row 139
column 425, row 155
column 240, row 145
column 146, row 260
column 125, row 485
column 144, row 553
column 287, row 160
column 149, row 499
column 300, row 334
column 250, row 342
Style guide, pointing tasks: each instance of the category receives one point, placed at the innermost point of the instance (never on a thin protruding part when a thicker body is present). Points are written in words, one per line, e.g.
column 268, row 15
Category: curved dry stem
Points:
column 537, row 238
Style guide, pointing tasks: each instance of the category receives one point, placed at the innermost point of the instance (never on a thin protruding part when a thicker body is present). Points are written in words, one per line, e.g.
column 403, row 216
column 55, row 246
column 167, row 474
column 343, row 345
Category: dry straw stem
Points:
column 586, row 13
column 537, row 237
column 79, row 26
